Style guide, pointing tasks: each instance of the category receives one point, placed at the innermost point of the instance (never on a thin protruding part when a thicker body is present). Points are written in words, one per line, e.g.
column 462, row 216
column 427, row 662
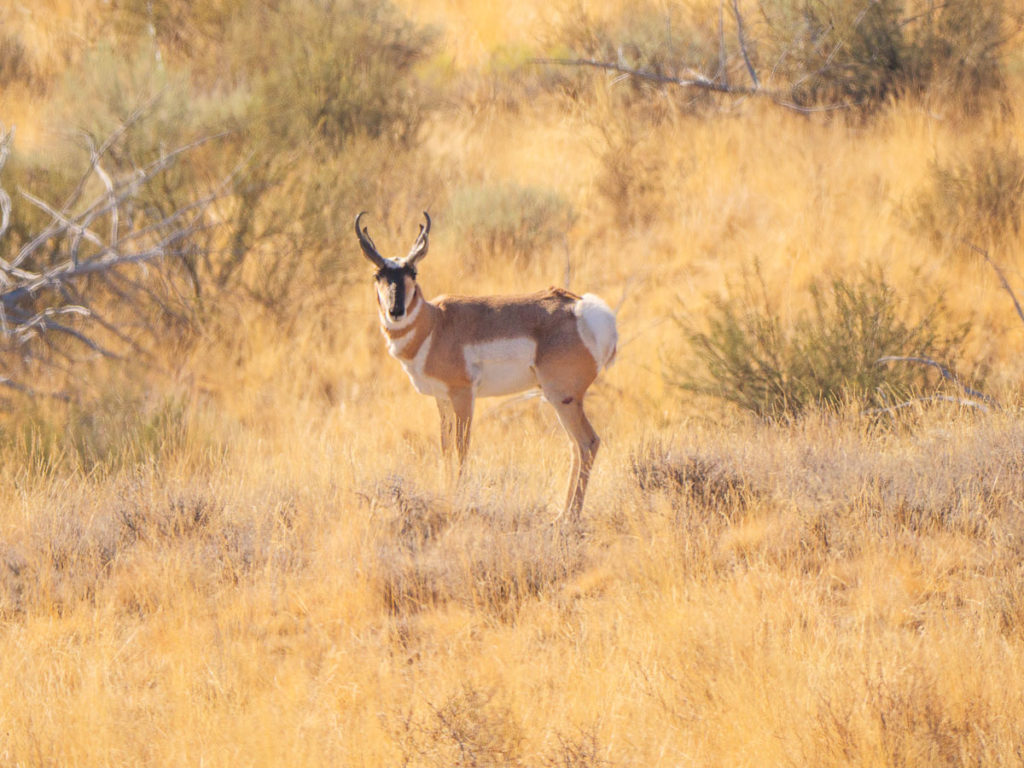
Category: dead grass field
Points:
column 250, row 556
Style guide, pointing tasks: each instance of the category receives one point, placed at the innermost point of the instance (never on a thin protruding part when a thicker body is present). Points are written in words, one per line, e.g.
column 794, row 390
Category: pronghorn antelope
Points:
column 459, row 348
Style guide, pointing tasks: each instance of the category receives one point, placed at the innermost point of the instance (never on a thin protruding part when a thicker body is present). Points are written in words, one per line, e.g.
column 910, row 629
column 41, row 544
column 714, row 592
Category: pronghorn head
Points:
column 396, row 279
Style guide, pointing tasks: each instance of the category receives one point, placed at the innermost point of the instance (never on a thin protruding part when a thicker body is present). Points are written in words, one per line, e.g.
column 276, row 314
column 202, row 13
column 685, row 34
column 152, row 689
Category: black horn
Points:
column 419, row 248
column 367, row 244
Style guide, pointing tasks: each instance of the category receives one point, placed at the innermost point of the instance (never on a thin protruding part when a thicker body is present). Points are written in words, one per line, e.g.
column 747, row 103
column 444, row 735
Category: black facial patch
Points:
column 395, row 278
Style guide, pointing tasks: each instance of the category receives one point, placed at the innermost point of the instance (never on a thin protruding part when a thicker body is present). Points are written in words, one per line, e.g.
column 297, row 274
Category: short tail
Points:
column 596, row 325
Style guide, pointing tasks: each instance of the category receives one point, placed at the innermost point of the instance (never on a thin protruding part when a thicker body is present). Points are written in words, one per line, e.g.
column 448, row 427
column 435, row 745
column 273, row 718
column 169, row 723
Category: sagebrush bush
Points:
column 494, row 558
column 473, row 726
column 863, row 54
column 470, row 727
column 827, row 357
column 336, row 70
column 978, row 198
column 508, row 219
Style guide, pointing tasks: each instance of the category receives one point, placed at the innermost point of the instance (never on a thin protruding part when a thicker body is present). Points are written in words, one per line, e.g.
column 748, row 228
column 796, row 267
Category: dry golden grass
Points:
column 815, row 594
column 256, row 561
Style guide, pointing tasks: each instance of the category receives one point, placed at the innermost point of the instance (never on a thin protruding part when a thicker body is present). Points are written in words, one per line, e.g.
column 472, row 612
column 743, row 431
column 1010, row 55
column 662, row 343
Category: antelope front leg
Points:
column 447, row 413
column 456, row 420
column 462, row 406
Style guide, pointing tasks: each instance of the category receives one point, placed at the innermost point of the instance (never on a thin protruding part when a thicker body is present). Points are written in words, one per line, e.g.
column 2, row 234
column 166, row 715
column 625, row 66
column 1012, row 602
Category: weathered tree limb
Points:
column 945, row 372
column 694, row 79
column 1001, row 275
column 963, row 403
column 742, row 39
column 91, row 246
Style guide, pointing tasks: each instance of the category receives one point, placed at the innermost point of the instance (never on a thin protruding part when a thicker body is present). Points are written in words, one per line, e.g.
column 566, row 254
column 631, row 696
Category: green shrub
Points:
column 318, row 103
column 508, row 219
column 978, row 199
column 333, row 70
column 827, row 357
column 864, row 53
column 332, row 114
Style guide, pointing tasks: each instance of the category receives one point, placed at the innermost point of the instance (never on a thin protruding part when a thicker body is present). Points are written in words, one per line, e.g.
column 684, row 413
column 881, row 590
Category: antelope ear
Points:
column 419, row 248
column 367, row 244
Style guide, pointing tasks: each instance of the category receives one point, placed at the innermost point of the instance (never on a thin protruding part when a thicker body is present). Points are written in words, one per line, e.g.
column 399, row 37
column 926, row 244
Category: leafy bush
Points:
column 828, row 357
column 863, row 53
column 332, row 112
column 978, row 199
column 335, row 70
column 508, row 219
column 299, row 88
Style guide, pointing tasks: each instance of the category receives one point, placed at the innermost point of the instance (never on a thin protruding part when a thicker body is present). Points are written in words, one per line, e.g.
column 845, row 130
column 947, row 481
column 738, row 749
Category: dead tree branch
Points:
column 690, row 77
column 81, row 281
column 963, row 403
column 1001, row 275
column 694, row 79
column 742, row 39
column 945, row 372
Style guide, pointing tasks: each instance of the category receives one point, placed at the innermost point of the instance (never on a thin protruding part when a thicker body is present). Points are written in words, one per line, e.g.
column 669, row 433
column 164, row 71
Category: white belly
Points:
column 501, row 367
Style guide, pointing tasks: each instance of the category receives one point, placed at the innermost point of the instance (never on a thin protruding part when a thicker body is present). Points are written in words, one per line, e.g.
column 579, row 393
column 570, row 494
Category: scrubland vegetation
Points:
column 225, row 532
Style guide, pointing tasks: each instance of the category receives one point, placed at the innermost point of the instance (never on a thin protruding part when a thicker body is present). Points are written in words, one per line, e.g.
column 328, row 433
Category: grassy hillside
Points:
column 239, row 548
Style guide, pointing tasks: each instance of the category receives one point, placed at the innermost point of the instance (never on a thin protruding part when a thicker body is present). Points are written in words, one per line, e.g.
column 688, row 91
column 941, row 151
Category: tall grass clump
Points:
column 828, row 356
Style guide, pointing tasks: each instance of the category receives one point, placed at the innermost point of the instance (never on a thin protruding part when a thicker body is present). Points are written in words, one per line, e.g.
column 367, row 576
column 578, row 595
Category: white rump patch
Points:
column 502, row 366
column 596, row 325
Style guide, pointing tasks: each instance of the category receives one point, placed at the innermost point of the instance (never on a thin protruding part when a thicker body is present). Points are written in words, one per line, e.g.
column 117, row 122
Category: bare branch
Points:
column 6, row 139
column 947, row 374
column 50, row 292
column 108, row 182
column 25, row 390
column 66, row 223
column 741, row 37
column 1002, row 277
column 693, row 79
column 930, row 399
